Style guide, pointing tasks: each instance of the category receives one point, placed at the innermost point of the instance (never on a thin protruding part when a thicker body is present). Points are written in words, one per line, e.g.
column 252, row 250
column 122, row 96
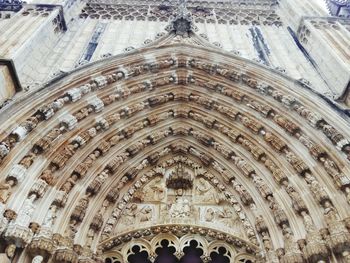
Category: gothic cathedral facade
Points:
column 166, row 131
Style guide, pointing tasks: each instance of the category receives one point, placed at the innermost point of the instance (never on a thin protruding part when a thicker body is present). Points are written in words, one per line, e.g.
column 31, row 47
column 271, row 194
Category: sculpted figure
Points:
column 267, row 241
column 238, row 96
column 203, row 138
column 129, row 215
column 207, row 103
column 333, row 170
column 317, row 190
column 265, row 110
column 155, row 190
column 47, row 176
column 226, row 217
column 30, row 123
column 209, row 215
column 103, row 147
column 205, row 192
column 159, row 135
column 64, row 155
column 27, row 160
column 230, row 112
column 10, row 251
column 293, row 253
column 312, row 117
column 122, row 182
column 286, row 124
column 26, row 212
column 117, row 161
column 145, row 214
column 50, row 217
column 226, row 152
column 112, row 118
column 96, row 184
column 330, row 213
column 83, row 113
column 339, row 235
column 5, row 190
column 308, row 222
column 85, row 136
column 264, row 190
column 115, row 139
column 46, row 141
column 251, row 124
column 276, row 142
column 69, row 184
column 246, row 168
column 180, row 209
column 332, row 134
column 315, row 150
column 249, row 81
column 243, row 193
column 298, row 164
column 160, row 99
column 156, row 118
column 256, row 151
column 80, row 210
column 135, row 108
column 260, row 225
column 83, row 167
column 138, row 146
column 4, row 149
column 279, row 215
column 297, row 202
column 277, row 173
column 129, row 131
column 107, row 100
column 123, row 92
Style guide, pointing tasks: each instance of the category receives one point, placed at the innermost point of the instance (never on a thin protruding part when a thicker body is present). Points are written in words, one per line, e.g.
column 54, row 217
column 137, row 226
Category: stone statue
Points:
column 69, row 184
column 298, row 164
column 297, row 202
column 308, row 222
column 209, row 215
column 155, row 190
column 276, row 142
column 226, row 217
column 263, row 188
column 5, row 190
column 10, row 251
column 50, row 217
column 252, row 124
column 145, row 214
column 318, row 191
column 330, row 213
column 204, row 192
column 129, row 214
column 28, row 160
column 26, row 212
column 333, row 170
column 181, row 208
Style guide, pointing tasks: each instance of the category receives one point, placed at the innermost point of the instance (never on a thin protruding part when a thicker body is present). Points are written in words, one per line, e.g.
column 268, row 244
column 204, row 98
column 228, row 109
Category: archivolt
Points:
column 253, row 129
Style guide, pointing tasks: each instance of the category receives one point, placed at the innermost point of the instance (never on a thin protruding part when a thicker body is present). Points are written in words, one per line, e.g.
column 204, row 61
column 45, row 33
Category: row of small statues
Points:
column 260, row 188
column 47, row 111
column 330, row 166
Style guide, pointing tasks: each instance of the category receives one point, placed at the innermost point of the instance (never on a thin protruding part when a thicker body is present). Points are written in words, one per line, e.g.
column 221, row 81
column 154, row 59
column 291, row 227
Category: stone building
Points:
column 174, row 131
